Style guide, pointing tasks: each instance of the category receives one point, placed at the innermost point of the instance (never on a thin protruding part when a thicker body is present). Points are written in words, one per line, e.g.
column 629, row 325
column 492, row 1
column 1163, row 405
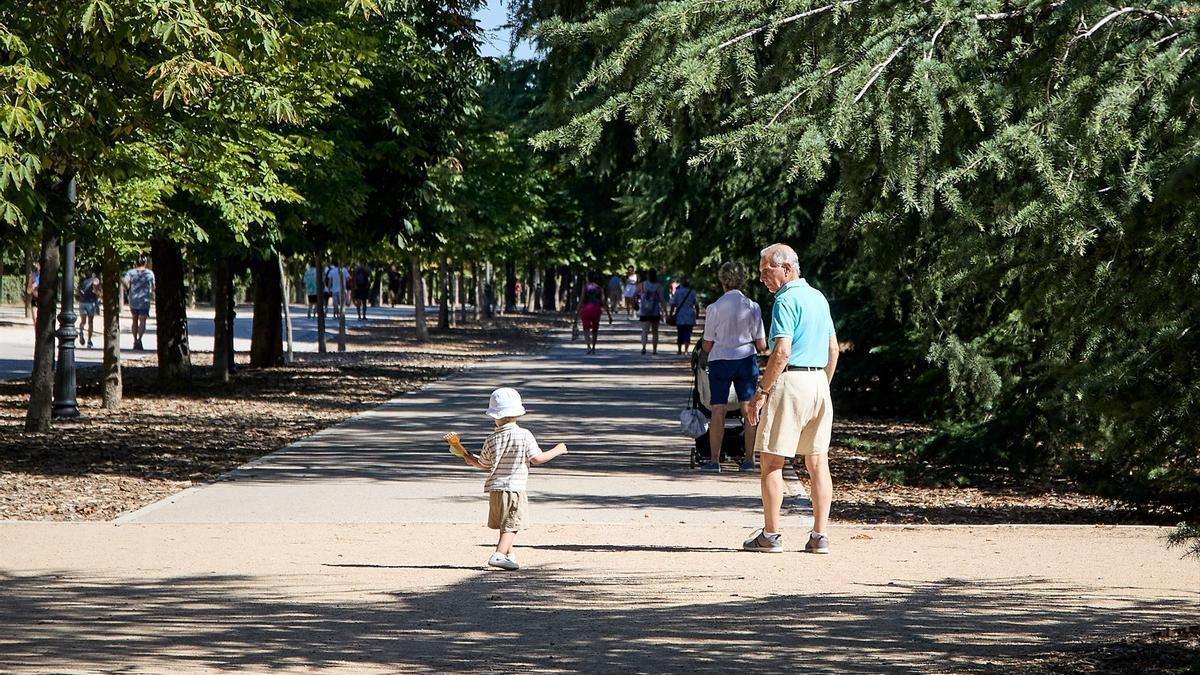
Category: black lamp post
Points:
column 64, row 373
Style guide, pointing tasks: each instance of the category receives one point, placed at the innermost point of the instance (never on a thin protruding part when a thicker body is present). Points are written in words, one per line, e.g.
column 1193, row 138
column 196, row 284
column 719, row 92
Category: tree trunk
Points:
column 510, row 287
column 231, row 301
column 418, row 294
column 266, row 341
column 222, row 285
column 25, row 288
column 527, row 299
column 110, row 287
column 566, row 288
column 287, row 311
column 339, row 284
column 41, row 396
column 191, row 287
column 459, row 297
column 549, row 291
column 170, row 305
column 478, row 291
column 537, row 290
column 322, row 348
column 444, row 292
column 405, row 289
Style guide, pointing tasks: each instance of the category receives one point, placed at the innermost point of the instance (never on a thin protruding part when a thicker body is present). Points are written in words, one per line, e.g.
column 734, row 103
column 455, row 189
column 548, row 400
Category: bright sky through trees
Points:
column 495, row 41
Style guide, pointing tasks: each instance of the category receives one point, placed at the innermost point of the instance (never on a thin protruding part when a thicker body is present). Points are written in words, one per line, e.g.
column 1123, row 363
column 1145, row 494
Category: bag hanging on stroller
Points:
column 692, row 423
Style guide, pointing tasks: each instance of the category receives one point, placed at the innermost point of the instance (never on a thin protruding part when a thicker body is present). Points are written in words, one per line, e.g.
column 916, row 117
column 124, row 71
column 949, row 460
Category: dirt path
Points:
column 361, row 549
column 617, row 598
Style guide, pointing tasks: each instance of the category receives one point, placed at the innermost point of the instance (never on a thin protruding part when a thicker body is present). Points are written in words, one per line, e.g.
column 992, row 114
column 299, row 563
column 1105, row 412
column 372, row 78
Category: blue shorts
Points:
column 140, row 310
column 742, row 375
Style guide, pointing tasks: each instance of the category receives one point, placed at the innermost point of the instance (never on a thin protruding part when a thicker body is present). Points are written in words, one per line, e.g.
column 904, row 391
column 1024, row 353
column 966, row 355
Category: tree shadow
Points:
column 552, row 618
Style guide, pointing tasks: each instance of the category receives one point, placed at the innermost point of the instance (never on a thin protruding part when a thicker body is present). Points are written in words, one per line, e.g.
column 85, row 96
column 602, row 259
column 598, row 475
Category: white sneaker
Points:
column 504, row 562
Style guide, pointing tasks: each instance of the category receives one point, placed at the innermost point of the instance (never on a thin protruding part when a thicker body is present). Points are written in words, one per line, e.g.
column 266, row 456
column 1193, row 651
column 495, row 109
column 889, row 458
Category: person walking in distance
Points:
column 139, row 283
column 791, row 405
column 362, row 290
column 614, row 296
column 89, row 302
column 591, row 304
column 31, row 291
column 393, row 281
column 650, row 307
column 310, row 287
column 335, row 285
column 684, row 308
column 630, row 292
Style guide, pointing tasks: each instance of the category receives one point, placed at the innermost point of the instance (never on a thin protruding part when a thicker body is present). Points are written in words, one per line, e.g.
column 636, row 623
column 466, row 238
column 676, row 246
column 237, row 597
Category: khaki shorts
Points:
column 797, row 418
column 507, row 511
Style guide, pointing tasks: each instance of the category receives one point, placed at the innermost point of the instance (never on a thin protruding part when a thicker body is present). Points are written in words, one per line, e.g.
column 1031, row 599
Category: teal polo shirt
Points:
column 802, row 314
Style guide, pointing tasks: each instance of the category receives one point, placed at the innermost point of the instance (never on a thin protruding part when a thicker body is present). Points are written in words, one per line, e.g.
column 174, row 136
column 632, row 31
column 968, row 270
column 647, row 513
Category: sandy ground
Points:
column 417, row 598
column 361, row 549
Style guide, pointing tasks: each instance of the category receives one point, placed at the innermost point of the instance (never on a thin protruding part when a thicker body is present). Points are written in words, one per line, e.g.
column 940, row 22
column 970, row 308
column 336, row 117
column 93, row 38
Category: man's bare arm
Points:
column 834, row 351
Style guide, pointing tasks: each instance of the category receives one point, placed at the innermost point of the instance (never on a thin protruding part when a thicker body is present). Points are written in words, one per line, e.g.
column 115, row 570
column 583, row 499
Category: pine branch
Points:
column 1124, row 10
column 878, row 69
column 1172, row 36
column 933, row 40
column 801, row 93
column 796, row 17
column 1001, row 16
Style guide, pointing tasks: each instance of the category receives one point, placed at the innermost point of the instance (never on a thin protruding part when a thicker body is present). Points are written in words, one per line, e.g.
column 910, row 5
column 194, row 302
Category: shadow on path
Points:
column 575, row 620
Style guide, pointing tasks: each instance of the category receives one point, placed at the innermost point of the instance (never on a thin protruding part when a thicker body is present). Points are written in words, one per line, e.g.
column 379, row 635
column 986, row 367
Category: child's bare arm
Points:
column 546, row 456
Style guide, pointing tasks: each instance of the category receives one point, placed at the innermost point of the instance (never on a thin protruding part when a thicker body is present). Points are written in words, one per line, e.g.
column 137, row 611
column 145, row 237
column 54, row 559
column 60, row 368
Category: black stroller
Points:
column 733, row 447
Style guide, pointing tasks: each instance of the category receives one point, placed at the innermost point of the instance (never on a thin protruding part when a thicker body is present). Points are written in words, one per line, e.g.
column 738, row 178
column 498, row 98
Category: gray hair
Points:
column 778, row 254
column 732, row 275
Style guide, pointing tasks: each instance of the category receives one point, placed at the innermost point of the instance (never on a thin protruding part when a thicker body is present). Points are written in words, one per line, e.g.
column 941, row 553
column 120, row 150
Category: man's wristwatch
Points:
column 764, row 392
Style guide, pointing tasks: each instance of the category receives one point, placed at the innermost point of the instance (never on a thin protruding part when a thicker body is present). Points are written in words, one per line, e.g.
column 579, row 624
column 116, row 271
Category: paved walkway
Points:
column 361, row 549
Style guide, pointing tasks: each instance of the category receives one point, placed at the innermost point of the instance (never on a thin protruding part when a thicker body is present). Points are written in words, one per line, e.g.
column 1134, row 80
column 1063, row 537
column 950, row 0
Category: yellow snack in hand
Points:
column 456, row 446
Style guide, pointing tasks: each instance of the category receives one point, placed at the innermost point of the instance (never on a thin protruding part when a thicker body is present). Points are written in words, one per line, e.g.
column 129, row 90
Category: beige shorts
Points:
column 507, row 511
column 797, row 418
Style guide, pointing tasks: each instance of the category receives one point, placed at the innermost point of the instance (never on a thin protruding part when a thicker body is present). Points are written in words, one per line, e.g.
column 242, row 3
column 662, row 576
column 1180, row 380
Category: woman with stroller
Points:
column 733, row 335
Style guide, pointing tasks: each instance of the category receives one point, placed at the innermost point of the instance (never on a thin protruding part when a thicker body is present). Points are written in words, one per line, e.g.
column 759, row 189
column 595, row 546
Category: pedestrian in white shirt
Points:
column 733, row 335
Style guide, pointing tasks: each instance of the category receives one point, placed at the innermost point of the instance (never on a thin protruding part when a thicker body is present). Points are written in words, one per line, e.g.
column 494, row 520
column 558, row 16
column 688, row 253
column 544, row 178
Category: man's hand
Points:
column 756, row 405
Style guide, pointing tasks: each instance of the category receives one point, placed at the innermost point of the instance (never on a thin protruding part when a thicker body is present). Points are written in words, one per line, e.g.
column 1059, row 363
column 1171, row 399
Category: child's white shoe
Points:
column 504, row 562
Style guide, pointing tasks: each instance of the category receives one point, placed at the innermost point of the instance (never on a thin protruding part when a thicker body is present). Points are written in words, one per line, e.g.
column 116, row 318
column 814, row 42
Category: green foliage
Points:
column 1187, row 537
column 1012, row 184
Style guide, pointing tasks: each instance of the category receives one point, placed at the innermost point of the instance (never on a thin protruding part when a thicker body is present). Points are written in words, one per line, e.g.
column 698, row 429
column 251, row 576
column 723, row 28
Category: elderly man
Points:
column 791, row 405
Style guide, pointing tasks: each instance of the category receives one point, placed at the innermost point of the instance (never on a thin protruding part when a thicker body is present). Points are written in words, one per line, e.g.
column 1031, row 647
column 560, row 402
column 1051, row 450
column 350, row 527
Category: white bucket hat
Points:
column 506, row 402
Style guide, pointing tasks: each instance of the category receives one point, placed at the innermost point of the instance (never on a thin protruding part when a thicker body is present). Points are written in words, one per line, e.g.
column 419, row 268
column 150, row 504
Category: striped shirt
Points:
column 507, row 453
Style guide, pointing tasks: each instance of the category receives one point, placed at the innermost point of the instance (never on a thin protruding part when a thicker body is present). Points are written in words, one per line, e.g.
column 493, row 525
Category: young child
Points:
column 506, row 456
